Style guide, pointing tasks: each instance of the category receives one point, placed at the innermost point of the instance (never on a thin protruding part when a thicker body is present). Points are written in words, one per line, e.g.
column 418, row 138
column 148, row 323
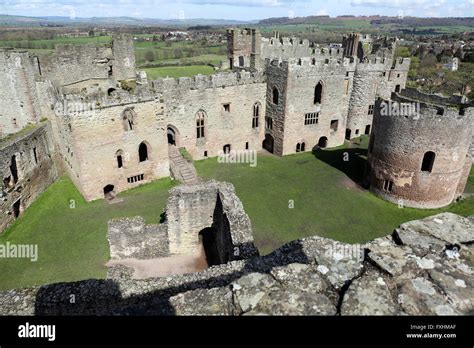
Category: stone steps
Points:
column 181, row 168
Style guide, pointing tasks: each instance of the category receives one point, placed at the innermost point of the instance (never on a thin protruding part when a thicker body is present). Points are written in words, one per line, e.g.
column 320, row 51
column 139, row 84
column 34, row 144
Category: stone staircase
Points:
column 180, row 168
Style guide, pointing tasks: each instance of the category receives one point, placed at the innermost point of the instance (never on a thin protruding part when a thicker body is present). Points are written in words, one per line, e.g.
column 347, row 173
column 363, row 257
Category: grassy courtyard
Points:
column 72, row 240
column 286, row 198
column 326, row 201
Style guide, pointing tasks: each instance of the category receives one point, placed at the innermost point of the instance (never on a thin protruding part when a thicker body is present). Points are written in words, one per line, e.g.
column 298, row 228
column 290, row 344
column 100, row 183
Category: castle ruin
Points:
column 110, row 128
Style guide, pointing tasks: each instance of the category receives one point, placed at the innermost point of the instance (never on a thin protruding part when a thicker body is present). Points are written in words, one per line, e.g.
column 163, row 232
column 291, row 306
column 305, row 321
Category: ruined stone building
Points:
column 109, row 127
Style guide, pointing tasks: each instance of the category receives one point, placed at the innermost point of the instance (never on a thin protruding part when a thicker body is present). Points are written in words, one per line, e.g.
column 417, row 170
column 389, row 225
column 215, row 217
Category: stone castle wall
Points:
column 212, row 205
column 303, row 76
column 185, row 97
column 97, row 136
column 27, row 169
column 399, row 144
column 373, row 79
column 20, row 105
column 70, row 64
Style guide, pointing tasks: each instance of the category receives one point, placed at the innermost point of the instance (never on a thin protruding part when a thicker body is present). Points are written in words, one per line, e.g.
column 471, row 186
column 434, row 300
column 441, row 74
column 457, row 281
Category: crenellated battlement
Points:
column 420, row 106
column 72, row 103
column 166, row 85
column 402, row 64
column 437, row 99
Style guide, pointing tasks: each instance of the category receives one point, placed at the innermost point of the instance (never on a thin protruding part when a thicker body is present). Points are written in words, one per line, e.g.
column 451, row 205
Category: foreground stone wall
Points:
column 424, row 268
column 27, row 169
column 194, row 208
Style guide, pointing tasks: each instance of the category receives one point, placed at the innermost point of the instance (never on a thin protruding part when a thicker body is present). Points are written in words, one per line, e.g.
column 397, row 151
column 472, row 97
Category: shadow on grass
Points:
column 351, row 162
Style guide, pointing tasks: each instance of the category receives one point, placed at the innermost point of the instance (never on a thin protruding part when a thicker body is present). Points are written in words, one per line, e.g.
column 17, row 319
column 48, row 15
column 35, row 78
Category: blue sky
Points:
column 236, row 9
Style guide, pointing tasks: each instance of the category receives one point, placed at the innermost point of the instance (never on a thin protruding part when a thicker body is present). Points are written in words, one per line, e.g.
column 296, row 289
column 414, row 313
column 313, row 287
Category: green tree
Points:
column 150, row 56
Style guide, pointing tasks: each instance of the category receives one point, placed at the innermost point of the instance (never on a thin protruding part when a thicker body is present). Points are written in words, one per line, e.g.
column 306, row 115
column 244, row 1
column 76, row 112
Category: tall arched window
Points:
column 143, row 152
column 256, row 115
column 200, row 124
column 128, row 119
column 119, row 156
column 428, row 161
column 318, row 93
column 276, row 95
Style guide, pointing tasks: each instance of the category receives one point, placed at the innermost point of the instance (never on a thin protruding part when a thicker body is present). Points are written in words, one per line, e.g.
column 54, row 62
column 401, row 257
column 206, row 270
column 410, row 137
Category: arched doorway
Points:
column 208, row 239
column 348, row 134
column 323, row 142
column 268, row 143
column 226, row 149
column 109, row 192
column 171, row 133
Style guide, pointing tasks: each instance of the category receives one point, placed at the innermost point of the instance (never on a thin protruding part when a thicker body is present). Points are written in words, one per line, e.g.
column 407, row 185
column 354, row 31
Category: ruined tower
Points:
column 419, row 151
column 243, row 48
column 18, row 94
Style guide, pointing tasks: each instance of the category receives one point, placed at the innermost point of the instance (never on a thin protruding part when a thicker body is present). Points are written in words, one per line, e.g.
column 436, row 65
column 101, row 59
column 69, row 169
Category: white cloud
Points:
column 409, row 4
column 322, row 12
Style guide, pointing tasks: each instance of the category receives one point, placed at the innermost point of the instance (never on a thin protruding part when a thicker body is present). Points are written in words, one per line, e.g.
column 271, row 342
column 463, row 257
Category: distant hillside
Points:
column 373, row 20
column 22, row 21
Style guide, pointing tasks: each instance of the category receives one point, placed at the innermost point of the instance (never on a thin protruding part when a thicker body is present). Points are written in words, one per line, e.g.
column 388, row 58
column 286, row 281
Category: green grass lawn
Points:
column 326, row 201
column 179, row 71
column 72, row 243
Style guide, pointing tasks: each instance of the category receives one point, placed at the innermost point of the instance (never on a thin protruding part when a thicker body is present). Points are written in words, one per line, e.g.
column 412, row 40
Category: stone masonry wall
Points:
column 103, row 128
column 185, row 97
column 33, row 154
column 191, row 209
column 398, row 146
column 303, row 76
column 19, row 99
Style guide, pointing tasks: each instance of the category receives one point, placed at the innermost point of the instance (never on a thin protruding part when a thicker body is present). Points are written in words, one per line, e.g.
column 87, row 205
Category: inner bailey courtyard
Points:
column 111, row 129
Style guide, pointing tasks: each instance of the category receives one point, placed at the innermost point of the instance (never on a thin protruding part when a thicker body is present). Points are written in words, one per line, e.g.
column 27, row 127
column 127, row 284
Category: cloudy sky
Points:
column 235, row 9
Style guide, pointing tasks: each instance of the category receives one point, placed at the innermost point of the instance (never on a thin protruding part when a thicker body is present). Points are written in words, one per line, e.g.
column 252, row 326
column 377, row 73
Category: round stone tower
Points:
column 419, row 152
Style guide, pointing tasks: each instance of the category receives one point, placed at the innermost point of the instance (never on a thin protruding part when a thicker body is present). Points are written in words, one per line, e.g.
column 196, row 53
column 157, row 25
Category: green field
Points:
column 179, row 71
column 49, row 44
column 72, row 243
column 326, row 201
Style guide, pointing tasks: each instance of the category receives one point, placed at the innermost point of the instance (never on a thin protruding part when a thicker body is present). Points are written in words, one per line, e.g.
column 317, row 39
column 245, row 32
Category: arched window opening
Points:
column 119, row 156
column 276, row 96
column 143, row 152
column 318, row 93
column 14, row 170
column 298, row 147
column 428, row 161
column 303, row 146
column 129, row 119
column 256, row 115
column 200, row 125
